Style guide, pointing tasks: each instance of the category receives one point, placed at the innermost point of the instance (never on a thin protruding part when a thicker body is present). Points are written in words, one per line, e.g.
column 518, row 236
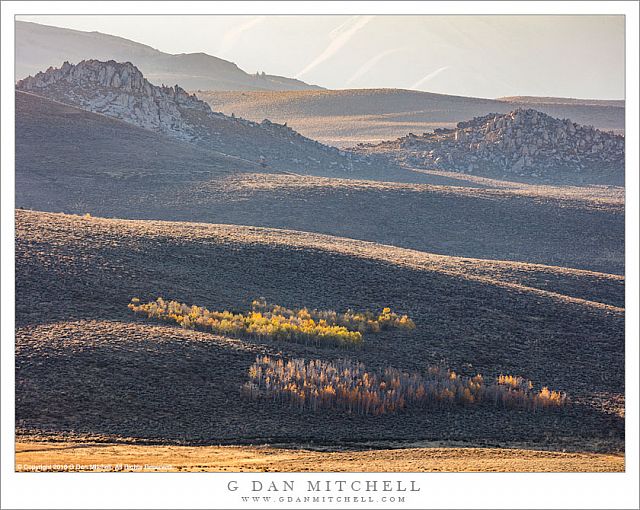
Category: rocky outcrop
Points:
column 120, row 90
column 524, row 142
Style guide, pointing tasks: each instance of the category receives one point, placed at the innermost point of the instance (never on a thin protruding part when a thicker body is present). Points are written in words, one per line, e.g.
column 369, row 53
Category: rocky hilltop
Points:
column 521, row 143
column 120, row 90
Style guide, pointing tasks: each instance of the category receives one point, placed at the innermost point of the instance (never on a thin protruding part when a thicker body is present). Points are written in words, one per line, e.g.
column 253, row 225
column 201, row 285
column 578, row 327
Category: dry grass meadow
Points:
column 93, row 457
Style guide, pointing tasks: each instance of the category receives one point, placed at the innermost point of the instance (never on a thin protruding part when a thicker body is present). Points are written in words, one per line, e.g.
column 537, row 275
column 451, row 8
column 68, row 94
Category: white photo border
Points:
column 209, row 490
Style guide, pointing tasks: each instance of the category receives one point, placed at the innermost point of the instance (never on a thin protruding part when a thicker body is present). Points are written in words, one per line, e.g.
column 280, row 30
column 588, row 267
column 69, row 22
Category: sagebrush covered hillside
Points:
column 85, row 365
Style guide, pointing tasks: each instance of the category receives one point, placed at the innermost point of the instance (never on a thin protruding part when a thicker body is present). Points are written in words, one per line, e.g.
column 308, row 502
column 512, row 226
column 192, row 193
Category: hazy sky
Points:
column 483, row 56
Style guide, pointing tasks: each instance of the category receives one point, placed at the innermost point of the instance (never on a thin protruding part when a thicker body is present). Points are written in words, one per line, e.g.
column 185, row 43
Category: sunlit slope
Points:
column 347, row 117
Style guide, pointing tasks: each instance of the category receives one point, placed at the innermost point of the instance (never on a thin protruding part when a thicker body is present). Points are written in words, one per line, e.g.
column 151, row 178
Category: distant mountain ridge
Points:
column 619, row 103
column 39, row 47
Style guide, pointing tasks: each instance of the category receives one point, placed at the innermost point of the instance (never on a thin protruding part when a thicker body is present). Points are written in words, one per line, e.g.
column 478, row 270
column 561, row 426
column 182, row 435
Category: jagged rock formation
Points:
column 522, row 143
column 120, row 90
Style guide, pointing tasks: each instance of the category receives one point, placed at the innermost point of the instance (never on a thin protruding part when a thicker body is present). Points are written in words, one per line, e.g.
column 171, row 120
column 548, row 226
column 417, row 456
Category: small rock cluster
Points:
column 524, row 142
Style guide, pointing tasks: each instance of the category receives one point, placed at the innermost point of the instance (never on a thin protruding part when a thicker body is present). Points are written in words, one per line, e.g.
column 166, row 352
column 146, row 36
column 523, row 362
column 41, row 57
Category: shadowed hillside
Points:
column 57, row 138
column 85, row 365
column 78, row 162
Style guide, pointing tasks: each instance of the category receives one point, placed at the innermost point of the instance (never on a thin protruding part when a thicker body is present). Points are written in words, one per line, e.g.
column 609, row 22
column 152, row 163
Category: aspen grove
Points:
column 274, row 322
column 348, row 386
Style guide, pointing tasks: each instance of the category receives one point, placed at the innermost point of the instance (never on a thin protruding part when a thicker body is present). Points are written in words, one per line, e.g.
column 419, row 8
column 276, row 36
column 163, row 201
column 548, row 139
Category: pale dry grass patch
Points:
column 267, row 458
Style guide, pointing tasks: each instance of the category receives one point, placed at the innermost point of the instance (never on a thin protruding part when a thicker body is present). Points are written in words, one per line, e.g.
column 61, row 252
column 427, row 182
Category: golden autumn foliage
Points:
column 348, row 386
column 549, row 398
column 518, row 389
column 275, row 322
column 364, row 322
column 251, row 324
